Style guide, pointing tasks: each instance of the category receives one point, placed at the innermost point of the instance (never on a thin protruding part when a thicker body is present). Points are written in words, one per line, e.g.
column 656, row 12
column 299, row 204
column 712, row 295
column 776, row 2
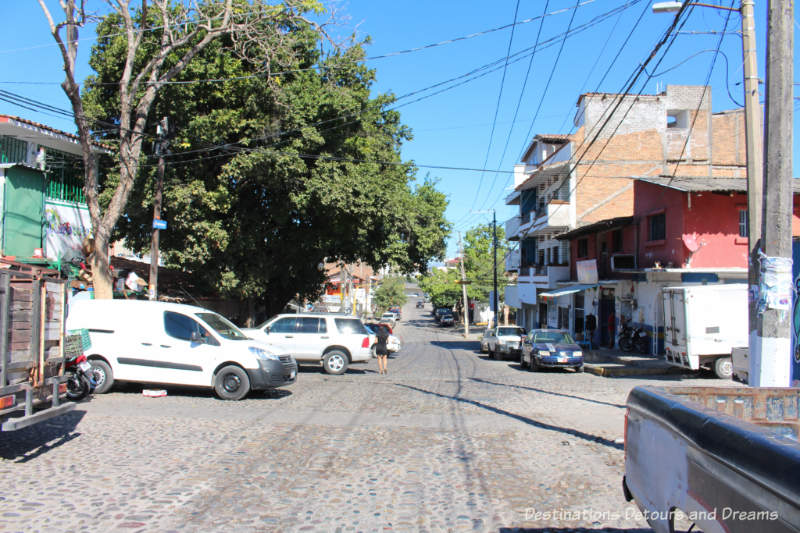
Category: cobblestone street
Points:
column 447, row 441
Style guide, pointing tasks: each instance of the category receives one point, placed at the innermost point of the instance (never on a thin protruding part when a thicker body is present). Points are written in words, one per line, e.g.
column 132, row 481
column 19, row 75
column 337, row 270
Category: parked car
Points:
column 392, row 343
column 389, row 317
column 439, row 311
column 550, row 348
column 505, row 342
column 397, row 311
column 485, row 340
column 335, row 340
column 175, row 344
column 447, row 319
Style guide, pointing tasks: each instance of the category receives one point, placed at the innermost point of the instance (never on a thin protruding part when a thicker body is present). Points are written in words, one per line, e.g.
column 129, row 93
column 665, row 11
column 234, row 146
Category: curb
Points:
column 615, row 370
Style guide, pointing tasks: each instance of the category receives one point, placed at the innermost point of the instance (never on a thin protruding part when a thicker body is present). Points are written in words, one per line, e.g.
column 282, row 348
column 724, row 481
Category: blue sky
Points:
column 464, row 127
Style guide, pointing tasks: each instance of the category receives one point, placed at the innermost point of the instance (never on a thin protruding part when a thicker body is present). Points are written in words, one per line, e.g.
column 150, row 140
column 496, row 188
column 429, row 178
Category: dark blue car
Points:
column 550, row 348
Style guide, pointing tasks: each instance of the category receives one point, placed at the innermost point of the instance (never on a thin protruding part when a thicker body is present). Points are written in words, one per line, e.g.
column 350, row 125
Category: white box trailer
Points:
column 703, row 324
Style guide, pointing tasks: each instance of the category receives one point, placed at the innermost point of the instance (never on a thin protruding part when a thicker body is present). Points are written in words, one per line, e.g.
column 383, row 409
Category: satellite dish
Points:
column 690, row 240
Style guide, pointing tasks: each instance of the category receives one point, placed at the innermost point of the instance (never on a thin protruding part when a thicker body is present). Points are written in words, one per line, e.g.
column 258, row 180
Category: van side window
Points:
column 181, row 327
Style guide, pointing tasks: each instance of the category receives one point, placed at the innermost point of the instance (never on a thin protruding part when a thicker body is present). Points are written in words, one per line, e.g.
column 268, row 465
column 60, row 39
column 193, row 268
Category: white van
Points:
column 175, row 344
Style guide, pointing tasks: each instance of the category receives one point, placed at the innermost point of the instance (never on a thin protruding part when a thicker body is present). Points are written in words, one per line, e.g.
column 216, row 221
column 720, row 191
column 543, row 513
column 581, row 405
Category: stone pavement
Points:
column 448, row 441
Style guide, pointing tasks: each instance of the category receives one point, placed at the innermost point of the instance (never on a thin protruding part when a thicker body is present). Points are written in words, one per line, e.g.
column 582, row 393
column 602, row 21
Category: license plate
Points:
column 292, row 374
column 562, row 359
column 84, row 366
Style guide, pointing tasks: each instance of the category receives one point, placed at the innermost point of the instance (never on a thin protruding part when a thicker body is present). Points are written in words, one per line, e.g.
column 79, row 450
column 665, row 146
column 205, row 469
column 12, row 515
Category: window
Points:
column 657, row 226
column 283, row 325
column 616, row 240
column 555, row 256
column 350, row 326
column 743, row 223
column 583, row 247
column 308, row 325
column 677, row 119
column 563, row 317
column 181, row 326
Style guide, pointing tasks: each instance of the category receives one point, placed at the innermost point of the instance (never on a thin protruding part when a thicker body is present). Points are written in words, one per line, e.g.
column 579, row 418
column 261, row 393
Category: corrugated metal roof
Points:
column 696, row 184
column 602, row 225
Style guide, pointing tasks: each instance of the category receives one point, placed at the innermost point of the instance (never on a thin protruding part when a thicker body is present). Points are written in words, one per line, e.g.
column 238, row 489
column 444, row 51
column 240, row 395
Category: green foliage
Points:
column 479, row 262
column 442, row 287
column 389, row 293
column 270, row 175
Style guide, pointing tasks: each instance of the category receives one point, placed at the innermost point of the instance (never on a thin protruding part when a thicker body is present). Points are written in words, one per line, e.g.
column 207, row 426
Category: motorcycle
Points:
column 631, row 339
column 626, row 336
column 80, row 378
column 641, row 340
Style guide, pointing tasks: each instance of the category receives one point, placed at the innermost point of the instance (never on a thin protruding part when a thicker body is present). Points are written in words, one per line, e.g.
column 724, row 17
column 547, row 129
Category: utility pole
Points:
column 494, row 264
column 161, row 132
column 770, row 358
column 464, row 287
column 754, row 143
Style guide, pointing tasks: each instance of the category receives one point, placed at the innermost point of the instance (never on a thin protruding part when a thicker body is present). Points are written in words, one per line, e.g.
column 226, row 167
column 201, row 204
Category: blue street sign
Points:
column 159, row 224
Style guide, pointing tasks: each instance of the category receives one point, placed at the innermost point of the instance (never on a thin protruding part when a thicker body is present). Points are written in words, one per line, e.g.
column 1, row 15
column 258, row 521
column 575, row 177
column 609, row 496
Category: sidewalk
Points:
column 609, row 362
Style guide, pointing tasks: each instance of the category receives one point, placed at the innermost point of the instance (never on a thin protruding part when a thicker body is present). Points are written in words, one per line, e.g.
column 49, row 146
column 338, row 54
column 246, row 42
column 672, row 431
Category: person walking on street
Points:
column 381, row 350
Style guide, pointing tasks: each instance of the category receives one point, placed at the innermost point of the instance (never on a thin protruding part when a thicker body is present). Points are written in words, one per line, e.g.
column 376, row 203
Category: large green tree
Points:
column 271, row 173
column 153, row 42
column 479, row 261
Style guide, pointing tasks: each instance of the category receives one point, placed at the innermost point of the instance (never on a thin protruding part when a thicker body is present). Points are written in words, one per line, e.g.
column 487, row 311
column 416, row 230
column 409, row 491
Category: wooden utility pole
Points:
column 770, row 359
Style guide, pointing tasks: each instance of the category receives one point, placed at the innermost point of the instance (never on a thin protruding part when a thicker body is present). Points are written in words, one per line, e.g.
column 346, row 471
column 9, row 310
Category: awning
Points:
column 563, row 291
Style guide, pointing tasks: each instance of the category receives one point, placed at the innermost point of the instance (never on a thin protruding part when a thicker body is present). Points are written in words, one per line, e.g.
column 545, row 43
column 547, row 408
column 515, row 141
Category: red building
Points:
column 677, row 223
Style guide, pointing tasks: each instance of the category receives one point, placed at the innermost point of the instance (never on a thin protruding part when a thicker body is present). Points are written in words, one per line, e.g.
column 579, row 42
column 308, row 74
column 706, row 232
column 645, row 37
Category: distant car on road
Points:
column 504, row 342
column 551, row 348
column 389, row 317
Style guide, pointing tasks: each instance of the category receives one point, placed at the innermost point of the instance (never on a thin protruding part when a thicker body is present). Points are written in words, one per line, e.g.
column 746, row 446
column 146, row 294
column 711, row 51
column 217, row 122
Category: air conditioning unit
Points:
column 623, row 262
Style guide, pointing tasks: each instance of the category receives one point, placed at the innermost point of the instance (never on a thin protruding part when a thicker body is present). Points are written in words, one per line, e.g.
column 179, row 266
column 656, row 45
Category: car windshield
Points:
column 555, row 337
column 222, row 326
column 510, row 331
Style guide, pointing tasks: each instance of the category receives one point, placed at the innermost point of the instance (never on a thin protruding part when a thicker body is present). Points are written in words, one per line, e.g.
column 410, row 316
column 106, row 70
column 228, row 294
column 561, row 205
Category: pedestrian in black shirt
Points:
column 381, row 350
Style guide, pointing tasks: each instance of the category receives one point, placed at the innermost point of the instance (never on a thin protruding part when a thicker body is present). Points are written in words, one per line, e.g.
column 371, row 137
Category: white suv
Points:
column 335, row 340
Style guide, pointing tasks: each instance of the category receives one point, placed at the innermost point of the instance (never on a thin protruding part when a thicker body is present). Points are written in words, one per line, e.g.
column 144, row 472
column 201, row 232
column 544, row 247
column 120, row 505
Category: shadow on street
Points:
column 534, row 389
column 541, row 425
column 30, row 442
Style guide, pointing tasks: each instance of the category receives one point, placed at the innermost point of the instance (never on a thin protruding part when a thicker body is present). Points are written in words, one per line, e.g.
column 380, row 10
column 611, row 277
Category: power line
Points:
column 497, row 106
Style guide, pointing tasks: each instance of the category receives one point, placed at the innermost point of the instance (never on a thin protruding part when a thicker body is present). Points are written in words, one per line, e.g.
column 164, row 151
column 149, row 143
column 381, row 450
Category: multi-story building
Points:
column 566, row 182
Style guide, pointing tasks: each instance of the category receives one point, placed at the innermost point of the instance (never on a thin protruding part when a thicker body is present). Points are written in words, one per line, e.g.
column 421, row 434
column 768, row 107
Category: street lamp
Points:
column 753, row 142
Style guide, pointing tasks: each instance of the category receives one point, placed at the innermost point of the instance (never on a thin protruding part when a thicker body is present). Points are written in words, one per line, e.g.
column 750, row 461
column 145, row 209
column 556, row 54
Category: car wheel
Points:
column 103, row 376
column 335, row 362
column 723, row 368
column 231, row 383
